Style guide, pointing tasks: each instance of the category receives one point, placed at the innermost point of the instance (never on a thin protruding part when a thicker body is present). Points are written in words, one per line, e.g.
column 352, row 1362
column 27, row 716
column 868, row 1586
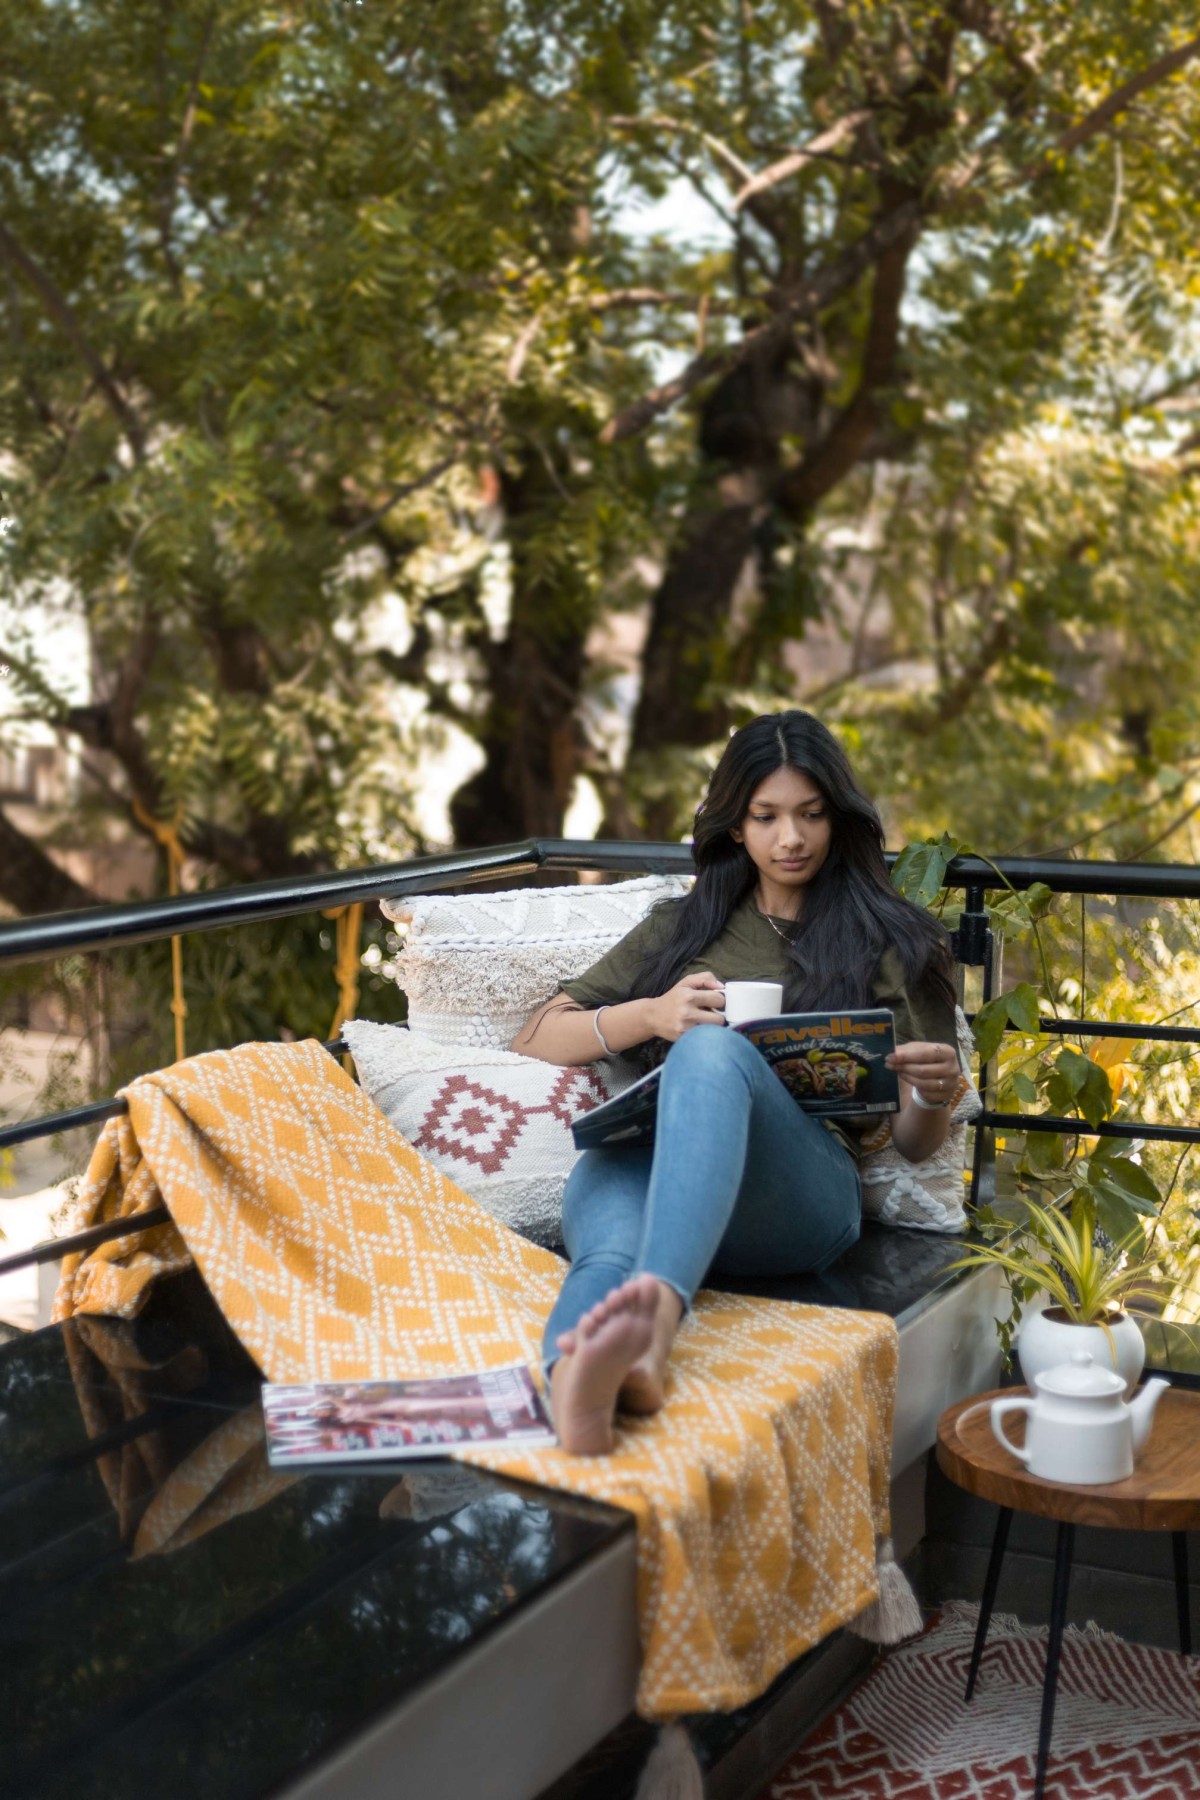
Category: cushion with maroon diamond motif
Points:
column 497, row 1124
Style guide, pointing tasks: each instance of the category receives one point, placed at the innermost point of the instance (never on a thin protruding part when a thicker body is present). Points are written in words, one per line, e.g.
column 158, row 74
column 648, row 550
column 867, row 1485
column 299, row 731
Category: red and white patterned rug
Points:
column 1126, row 1723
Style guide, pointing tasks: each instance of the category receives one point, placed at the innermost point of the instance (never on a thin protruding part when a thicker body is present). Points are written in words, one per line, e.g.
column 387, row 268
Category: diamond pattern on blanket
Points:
column 338, row 1252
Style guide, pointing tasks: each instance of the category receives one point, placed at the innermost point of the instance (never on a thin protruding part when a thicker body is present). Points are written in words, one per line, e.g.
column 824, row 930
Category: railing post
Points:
column 977, row 946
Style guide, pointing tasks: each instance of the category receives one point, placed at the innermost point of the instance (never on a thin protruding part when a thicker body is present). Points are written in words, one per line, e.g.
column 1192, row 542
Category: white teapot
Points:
column 1080, row 1430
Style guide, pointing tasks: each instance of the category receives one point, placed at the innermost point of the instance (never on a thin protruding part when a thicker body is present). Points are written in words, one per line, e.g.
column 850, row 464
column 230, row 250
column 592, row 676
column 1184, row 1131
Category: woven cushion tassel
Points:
column 896, row 1614
column 671, row 1771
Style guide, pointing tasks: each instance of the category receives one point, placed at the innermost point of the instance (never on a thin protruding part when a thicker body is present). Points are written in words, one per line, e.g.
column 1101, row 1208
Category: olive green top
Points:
column 750, row 949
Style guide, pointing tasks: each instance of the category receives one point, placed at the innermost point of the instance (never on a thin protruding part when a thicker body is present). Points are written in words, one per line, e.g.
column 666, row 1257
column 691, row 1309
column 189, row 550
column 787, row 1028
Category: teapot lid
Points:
column 1080, row 1378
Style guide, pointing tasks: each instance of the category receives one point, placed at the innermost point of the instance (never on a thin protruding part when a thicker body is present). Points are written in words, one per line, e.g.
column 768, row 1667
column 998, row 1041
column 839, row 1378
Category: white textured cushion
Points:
column 929, row 1195
column 474, row 966
column 497, row 1124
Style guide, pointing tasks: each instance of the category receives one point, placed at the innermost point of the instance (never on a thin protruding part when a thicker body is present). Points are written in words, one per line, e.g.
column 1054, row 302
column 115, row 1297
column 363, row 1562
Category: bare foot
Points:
column 644, row 1388
column 596, row 1357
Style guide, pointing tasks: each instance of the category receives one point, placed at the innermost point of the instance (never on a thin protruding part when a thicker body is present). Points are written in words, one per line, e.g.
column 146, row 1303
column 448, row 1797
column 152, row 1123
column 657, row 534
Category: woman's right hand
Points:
column 696, row 1000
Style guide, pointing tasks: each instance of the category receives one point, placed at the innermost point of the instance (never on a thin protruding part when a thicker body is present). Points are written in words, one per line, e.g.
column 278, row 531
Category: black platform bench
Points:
column 312, row 1648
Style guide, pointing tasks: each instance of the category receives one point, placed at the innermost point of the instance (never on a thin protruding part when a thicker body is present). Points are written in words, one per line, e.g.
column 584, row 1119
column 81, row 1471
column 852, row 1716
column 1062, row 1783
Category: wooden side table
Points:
column 1162, row 1494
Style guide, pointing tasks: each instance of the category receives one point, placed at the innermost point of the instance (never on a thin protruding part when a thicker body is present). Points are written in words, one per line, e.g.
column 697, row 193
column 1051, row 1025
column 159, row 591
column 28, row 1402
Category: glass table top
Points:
column 177, row 1620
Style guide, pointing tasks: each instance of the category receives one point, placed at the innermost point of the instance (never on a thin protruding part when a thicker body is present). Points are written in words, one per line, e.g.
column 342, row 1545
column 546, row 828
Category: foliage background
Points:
column 556, row 386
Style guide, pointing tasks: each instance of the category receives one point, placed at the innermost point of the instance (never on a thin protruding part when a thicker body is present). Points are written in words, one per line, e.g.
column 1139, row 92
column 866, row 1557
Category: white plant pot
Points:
column 1045, row 1342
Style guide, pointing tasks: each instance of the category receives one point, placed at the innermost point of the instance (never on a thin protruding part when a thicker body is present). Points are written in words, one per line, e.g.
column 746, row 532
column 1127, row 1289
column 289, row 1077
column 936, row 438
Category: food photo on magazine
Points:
column 393, row 1421
column 832, row 1063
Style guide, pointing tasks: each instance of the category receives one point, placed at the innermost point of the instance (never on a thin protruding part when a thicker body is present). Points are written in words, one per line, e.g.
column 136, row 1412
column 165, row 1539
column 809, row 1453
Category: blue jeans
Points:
column 739, row 1181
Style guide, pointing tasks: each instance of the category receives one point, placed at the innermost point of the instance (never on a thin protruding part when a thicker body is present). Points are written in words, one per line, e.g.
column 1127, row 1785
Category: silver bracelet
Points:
column 920, row 1101
column 607, row 1049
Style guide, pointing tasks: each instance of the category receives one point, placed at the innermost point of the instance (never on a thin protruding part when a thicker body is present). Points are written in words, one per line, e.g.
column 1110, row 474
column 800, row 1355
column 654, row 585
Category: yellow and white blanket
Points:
column 337, row 1252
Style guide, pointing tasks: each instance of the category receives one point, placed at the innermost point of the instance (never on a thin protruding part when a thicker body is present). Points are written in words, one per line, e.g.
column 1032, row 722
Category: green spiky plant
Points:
column 1057, row 1253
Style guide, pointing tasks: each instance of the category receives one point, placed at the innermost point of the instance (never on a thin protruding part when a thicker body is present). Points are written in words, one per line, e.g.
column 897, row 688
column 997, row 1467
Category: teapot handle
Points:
column 999, row 1408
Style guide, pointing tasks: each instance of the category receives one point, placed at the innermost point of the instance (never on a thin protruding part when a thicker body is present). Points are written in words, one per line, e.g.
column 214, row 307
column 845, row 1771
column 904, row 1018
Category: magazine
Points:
column 832, row 1063
column 392, row 1421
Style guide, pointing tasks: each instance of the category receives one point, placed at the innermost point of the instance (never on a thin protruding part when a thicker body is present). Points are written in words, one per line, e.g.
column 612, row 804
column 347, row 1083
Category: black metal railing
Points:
column 140, row 922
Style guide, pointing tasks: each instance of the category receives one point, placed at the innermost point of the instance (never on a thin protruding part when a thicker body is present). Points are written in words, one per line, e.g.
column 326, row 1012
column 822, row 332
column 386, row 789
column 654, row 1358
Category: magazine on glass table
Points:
column 832, row 1063
column 392, row 1421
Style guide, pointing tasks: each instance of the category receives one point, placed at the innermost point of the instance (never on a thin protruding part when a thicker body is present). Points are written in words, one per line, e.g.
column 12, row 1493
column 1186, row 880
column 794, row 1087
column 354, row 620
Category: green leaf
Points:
column 1060, row 1095
column 1128, row 1178
column 988, row 1027
column 1024, row 1088
column 1105, row 1151
column 1094, row 1098
column 1038, row 899
column 1022, row 1006
column 1073, row 1068
column 1044, row 1151
column 920, row 869
column 1114, row 1214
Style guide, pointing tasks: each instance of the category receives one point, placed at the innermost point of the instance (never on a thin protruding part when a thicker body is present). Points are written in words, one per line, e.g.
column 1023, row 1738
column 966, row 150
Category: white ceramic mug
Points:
column 746, row 1000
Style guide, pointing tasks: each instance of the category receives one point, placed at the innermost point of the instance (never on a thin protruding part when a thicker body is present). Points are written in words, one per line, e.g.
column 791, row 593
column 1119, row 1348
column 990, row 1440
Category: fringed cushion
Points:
column 929, row 1195
column 474, row 966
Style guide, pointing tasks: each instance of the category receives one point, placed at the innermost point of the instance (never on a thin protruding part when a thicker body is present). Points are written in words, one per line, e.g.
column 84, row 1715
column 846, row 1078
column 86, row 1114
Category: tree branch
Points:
column 31, row 880
column 989, row 23
column 828, row 283
column 522, row 344
column 845, row 442
column 729, row 159
column 361, row 526
column 799, row 159
column 1110, row 108
column 799, row 302
column 631, row 297
column 685, row 127
column 956, row 698
column 174, row 174
column 62, row 312
column 1180, row 395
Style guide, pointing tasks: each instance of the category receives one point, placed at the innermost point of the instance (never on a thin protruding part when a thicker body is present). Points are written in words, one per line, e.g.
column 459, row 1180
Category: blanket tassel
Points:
column 896, row 1614
column 671, row 1771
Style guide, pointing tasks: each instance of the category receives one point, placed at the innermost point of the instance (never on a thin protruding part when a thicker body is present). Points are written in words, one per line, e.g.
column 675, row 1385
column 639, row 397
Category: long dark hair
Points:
column 852, row 913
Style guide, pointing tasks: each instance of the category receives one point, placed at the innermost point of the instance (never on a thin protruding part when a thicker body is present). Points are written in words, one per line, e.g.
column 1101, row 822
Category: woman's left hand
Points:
column 932, row 1069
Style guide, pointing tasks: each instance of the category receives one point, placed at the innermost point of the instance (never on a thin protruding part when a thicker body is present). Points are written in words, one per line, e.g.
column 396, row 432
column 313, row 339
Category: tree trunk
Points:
column 31, row 880
column 687, row 663
column 530, row 732
column 680, row 703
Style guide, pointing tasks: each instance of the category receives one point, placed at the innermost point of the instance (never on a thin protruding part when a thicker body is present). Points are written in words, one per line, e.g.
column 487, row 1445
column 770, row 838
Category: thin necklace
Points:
column 779, row 932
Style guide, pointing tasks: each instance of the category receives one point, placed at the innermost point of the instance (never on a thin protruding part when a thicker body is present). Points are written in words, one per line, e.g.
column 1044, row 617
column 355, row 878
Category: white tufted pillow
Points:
column 474, row 966
column 929, row 1195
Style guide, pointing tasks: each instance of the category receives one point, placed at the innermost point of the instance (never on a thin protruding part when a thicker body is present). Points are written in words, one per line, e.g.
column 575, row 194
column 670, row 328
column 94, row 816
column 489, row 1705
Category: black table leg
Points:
column 1182, row 1607
column 991, row 1582
column 1058, row 1618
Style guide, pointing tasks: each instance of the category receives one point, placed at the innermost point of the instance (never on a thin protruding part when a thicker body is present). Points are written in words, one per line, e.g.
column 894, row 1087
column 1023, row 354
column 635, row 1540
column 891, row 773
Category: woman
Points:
column 790, row 886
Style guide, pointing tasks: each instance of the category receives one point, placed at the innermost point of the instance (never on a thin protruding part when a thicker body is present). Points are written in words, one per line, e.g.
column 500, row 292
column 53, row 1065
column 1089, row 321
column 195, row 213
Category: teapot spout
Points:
column 1141, row 1410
